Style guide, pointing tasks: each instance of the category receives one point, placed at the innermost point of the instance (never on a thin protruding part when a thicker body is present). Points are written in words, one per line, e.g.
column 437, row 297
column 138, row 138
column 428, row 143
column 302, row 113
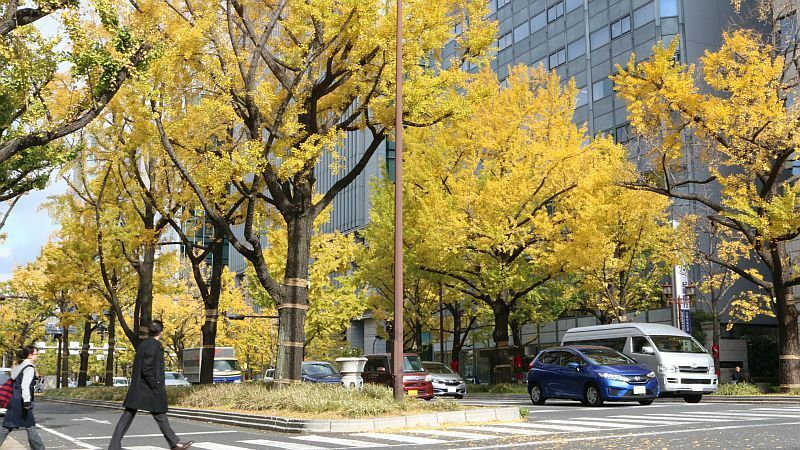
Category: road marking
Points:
column 455, row 434
column 775, row 409
column 88, row 438
column 401, row 438
column 84, row 419
column 69, row 438
column 593, row 423
column 734, row 415
column 215, row 446
column 554, row 428
column 282, row 444
column 337, row 441
column 633, row 435
column 504, row 430
column 641, row 420
column 144, row 447
column 693, row 418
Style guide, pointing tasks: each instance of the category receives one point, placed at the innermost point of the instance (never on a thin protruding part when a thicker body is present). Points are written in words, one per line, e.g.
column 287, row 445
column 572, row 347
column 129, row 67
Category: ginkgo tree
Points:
column 277, row 85
column 748, row 131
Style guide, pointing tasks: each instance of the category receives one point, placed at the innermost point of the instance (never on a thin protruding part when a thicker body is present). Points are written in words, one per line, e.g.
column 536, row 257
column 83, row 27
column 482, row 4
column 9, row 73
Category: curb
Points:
column 287, row 425
column 12, row 444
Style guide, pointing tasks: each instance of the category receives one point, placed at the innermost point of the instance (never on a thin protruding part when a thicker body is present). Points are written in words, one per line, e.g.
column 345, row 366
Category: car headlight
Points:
column 428, row 378
column 651, row 375
column 711, row 370
column 663, row 368
column 613, row 376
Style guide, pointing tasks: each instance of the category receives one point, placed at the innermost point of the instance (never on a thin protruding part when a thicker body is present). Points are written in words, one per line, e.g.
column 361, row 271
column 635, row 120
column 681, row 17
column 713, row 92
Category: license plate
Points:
column 697, row 388
column 412, row 393
column 639, row 390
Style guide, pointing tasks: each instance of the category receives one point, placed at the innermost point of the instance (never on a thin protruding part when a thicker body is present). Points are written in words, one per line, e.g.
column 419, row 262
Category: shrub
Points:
column 738, row 389
column 499, row 388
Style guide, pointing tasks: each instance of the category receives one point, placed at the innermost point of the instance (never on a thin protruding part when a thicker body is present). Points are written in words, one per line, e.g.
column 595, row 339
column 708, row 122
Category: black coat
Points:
column 16, row 415
column 147, row 381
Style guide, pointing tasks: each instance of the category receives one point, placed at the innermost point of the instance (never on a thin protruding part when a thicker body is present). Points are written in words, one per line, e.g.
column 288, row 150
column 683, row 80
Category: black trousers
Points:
column 125, row 423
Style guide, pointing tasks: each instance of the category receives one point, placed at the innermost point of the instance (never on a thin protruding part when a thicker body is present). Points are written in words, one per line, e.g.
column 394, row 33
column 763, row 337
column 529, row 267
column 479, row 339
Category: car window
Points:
column 412, row 364
column 225, row 364
column 569, row 357
column 606, row 357
column 549, row 358
column 318, row 369
column 677, row 344
column 373, row 364
column 637, row 342
column 437, row 368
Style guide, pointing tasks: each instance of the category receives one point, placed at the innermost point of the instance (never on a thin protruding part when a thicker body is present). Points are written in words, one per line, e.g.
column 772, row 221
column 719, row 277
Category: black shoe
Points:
column 182, row 445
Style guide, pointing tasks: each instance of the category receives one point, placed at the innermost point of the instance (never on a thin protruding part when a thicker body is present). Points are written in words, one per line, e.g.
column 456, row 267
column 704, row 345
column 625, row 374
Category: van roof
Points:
column 644, row 328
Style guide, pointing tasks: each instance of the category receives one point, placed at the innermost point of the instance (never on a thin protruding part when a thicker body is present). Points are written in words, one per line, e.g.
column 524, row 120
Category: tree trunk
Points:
column 84, row 366
column 144, row 294
column 58, row 361
column 788, row 339
column 112, row 341
column 501, row 357
column 715, row 333
column 65, row 357
column 211, row 305
column 292, row 312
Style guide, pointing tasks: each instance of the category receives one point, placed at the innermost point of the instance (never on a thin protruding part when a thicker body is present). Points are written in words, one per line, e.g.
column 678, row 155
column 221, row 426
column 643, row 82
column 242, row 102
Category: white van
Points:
column 683, row 367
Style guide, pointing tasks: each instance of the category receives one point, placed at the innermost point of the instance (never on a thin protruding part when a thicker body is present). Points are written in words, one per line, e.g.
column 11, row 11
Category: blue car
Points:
column 591, row 374
column 320, row 372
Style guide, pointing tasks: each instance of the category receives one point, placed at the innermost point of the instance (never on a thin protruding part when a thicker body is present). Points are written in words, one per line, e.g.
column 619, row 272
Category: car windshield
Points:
column 226, row 364
column 677, row 344
column 174, row 375
column 606, row 357
column 319, row 369
column 437, row 368
column 412, row 364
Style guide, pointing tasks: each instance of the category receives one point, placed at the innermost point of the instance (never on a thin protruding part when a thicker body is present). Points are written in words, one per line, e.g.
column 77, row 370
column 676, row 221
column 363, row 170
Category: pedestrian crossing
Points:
column 609, row 422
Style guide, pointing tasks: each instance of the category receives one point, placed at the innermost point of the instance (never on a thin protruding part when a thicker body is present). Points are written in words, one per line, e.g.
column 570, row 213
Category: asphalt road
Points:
column 558, row 425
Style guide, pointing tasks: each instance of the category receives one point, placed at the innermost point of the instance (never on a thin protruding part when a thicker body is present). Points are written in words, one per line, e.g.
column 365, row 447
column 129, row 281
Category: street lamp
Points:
column 397, row 344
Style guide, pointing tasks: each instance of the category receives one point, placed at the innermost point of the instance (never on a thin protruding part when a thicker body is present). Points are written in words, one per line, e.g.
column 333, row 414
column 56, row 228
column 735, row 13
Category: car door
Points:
column 545, row 373
column 571, row 381
column 643, row 351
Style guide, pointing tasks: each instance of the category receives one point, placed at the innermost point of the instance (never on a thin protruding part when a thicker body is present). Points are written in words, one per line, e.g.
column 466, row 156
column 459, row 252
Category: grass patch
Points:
column 301, row 400
column 738, row 389
column 499, row 388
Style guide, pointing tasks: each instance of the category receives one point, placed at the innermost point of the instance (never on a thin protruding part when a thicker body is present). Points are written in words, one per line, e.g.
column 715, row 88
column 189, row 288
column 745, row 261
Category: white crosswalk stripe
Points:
column 692, row 418
column 455, row 434
column 594, row 423
column 281, row 444
column 336, row 441
column 557, row 428
column 504, row 430
column 655, row 421
column 215, row 446
column 734, row 415
column 401, row 438
column 144, row 447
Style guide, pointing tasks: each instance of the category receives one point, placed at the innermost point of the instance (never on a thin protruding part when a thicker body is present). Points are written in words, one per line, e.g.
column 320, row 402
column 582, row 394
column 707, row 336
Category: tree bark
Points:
column 715, row 330
column 144, row 294
column 211, row 305
column 788, row 339
column 502, row 371
column 65, row 357
column 112, row 342
column 292, row 312
column 84, row 365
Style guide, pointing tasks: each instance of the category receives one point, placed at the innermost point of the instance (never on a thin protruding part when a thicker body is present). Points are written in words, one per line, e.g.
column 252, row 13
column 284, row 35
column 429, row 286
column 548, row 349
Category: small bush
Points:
column 499, row 388
column 302, row 399
column 738, row 389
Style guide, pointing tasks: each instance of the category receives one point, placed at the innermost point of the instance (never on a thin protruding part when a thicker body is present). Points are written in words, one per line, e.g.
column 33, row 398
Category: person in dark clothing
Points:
column 19, row 413
column 146, row 391
column 739, row 376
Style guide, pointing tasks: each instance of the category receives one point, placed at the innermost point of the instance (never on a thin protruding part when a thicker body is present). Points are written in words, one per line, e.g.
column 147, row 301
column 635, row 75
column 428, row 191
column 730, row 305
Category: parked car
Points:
column 591, row 374
column 683, row 367
column 445, row 381
column 320, row 372
column 5, row 374
column 269, row 376
column 175, row 379
column 120, row 382
column 416, row 381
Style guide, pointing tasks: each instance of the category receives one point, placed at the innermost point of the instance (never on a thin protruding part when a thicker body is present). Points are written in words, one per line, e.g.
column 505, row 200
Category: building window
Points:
column 458, row 29
column 787, row 31
column 558, row 58
column 620, row 27
column 521, row 32
column 599, row 38
column 576, row 49
column 555, row 11
column 574, row 4
column 582, row 98
column 601, row 89
column 669, row 8
column 504, row 42
column 644, row 15
column 501, row 3
column 542, row 63
column 538, row 22
column 623, row 134
column 390, row 153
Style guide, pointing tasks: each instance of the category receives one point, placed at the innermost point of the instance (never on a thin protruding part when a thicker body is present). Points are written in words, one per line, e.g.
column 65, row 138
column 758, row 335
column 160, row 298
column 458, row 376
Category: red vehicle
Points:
column 416, row 381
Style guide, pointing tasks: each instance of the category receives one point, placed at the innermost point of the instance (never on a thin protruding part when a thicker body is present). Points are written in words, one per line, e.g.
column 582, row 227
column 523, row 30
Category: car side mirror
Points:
column 574, row 366
column 647, row 350
column 381, row 369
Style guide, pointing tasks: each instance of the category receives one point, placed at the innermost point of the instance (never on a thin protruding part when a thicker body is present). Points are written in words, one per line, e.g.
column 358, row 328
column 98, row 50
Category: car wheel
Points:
column 646, row 402
column 459, row 397
column 694, row 398
column 591, row 395
column 536, row 394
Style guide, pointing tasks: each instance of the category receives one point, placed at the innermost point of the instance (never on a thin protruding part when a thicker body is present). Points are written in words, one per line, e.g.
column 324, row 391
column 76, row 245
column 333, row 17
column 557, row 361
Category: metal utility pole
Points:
column 397, row 345
column 441, row 323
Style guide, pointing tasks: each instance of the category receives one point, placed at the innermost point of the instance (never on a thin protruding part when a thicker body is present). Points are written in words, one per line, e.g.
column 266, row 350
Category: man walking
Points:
column 147, row 392
column 20, row 408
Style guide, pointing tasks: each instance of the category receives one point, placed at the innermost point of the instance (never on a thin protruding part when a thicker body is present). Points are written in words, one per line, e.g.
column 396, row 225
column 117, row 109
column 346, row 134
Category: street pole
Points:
column 441, row 322
column 397, row 345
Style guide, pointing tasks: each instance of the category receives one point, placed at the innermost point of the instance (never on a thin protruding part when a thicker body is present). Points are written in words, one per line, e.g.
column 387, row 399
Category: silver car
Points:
column 175, row 379
column 446, row 383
